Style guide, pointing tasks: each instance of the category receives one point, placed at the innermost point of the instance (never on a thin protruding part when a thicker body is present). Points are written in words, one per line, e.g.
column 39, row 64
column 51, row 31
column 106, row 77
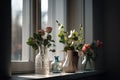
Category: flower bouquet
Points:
column 41, row 41
column 71, row 41
column 88, row 51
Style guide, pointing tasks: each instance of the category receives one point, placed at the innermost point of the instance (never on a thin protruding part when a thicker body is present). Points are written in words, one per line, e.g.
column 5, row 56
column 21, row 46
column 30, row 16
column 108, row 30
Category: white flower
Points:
column 60, row 27
column 71, row 33
column 72, row 43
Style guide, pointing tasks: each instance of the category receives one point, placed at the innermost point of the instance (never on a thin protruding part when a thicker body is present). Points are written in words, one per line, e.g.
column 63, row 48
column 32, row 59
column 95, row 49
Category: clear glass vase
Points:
column 88, row 64
column 56, row 65
column 42, row 62
column 80, row 65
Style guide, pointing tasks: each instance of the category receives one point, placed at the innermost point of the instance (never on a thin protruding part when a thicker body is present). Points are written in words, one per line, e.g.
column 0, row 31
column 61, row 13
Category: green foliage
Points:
column 79, row 47
column 72, row 40
column 41, row 38
column 31, row 41
column 49, row 37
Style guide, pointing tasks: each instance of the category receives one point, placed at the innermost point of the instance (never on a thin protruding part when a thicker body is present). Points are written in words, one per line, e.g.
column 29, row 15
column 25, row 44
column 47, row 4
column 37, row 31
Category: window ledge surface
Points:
column 55, row 76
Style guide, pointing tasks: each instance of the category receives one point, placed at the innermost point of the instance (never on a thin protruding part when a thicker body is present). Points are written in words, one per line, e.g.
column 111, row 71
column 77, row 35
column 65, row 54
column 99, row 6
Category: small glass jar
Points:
column 56, row 65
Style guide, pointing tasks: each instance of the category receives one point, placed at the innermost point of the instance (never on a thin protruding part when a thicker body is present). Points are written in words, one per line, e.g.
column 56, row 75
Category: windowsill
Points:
column 55, row 76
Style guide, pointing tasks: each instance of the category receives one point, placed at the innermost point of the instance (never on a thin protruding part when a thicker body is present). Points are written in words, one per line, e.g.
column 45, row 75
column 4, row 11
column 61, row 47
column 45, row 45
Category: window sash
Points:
column 24, row 66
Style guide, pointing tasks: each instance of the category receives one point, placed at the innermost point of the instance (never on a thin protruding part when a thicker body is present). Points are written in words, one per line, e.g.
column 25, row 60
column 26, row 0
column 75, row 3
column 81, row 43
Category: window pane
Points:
column 17, row 9
column 44, row 13
column 20, row 29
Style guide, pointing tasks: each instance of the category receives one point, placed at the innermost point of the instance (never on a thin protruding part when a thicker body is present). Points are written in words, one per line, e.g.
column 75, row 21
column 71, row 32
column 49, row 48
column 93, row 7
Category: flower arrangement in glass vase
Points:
column 88, row 51
column 72, row 41
column 41, row 41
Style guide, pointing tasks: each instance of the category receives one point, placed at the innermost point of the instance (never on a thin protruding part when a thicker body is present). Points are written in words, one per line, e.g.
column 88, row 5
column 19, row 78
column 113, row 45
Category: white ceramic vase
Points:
column 70, row 63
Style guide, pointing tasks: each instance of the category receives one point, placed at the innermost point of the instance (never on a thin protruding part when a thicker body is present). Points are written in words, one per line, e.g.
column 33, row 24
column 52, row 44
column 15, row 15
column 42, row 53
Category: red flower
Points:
column 49, row 29
column 42, row 32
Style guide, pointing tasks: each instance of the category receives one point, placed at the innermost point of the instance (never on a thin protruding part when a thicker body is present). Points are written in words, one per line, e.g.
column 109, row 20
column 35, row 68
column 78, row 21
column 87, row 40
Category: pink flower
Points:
column 42, row 32
column 49, row 29
column 86, row 47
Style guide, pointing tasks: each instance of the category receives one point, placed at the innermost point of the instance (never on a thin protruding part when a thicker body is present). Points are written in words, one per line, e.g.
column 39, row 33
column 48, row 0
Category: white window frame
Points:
column 27, row 65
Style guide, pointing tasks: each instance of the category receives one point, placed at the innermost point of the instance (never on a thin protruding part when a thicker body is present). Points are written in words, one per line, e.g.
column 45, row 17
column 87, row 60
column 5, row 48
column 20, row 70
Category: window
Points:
column 21, row 30
column 27, row 14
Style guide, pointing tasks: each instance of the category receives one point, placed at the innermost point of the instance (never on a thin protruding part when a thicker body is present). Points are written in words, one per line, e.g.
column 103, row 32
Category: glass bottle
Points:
column 56, row 65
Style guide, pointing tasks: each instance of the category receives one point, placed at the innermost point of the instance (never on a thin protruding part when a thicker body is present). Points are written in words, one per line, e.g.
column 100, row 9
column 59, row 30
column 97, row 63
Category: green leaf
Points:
column 45, row 42
column 52, row 41
column 53, row 50
column 49, row 37
column 34, row 46
column 61, row 41
column 49, row 44
column 79, row 47
column 37, row 37
column 75, row 33
column 31, row 42
column 75, row 38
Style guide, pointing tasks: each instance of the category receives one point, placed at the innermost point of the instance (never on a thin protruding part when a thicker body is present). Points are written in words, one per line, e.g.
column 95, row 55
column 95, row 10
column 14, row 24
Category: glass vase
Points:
column 80, row 65
column 42, row 62
column 88, row 64
column 56, row 65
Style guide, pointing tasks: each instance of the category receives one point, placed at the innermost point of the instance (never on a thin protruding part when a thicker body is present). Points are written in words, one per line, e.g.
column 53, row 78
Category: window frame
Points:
column 28, row 65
